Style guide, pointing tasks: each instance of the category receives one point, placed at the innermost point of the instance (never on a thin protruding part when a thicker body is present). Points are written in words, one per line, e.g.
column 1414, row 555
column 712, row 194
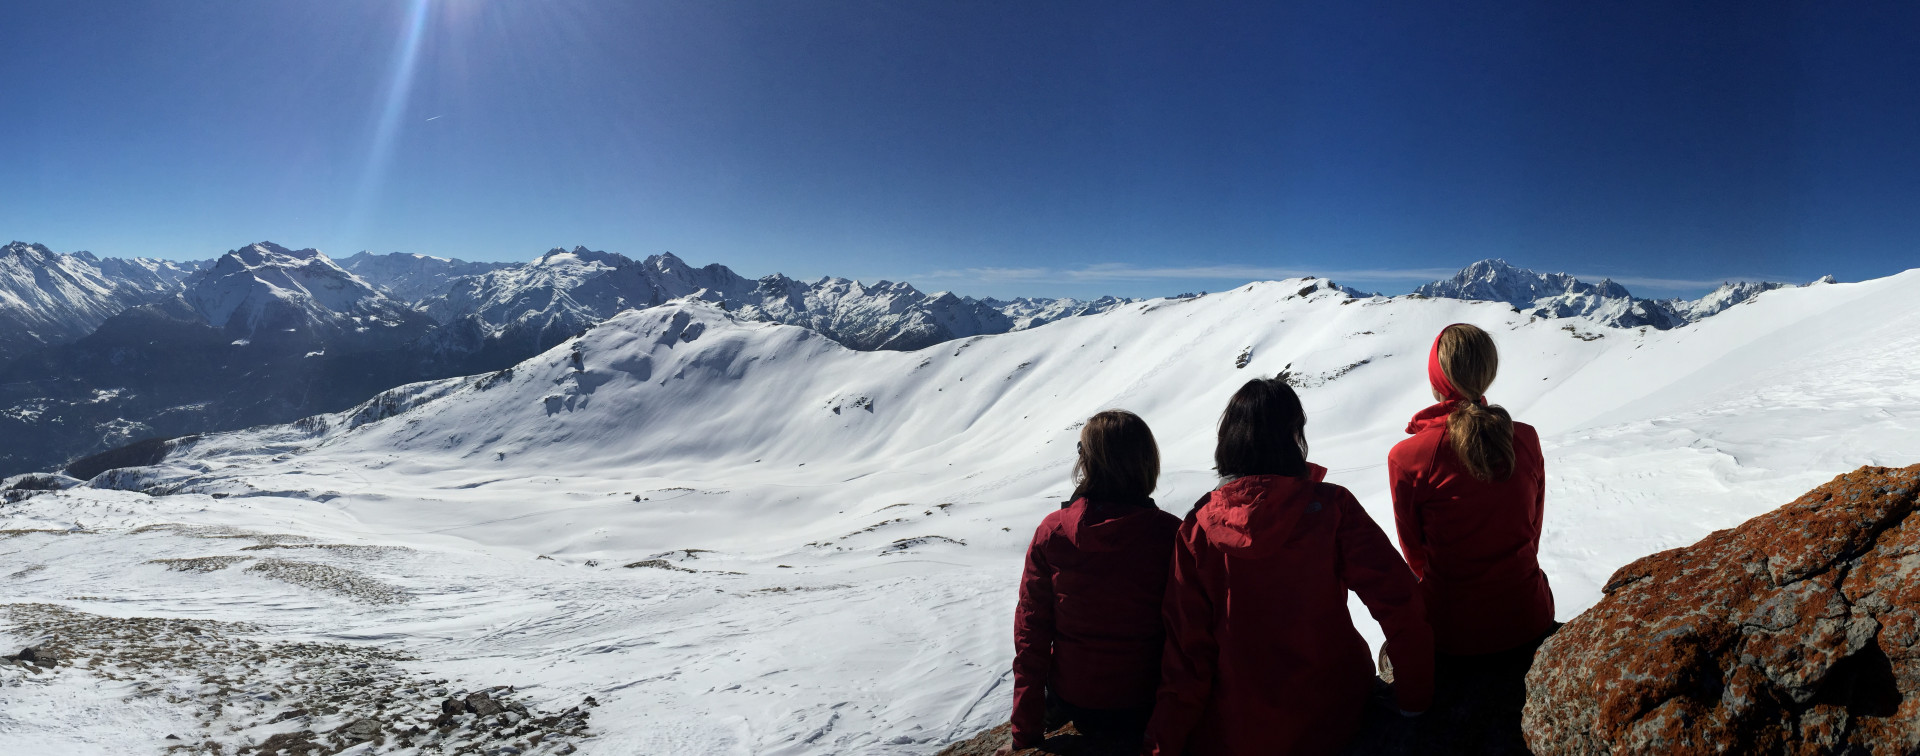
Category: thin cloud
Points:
column 1677, row 283
column 1105, row 272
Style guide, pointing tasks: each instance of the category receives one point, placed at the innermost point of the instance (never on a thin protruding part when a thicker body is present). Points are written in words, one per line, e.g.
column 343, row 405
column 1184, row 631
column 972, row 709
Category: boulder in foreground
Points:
column 1796, row 632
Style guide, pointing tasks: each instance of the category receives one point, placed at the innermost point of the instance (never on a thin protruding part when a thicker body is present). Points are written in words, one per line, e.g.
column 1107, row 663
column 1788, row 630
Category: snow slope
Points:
column 853, row 521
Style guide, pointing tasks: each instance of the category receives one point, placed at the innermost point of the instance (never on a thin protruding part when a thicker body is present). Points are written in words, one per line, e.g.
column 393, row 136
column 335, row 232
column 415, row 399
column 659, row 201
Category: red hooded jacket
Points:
column 1088, row 622
column 1475, row 544
column 1262, row 656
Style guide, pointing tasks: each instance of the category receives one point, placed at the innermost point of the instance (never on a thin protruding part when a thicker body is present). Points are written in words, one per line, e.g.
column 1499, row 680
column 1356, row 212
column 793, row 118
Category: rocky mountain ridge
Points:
column 1558, row 295
column 50, row 298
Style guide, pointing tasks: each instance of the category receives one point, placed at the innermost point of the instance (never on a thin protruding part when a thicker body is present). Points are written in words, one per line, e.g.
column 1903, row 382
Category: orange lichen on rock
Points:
column 1796, row 632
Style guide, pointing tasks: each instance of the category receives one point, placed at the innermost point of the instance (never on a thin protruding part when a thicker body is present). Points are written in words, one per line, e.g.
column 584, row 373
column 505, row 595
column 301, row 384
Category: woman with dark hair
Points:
column 1468, row 498
column 1087, row 632
column 1262, row 656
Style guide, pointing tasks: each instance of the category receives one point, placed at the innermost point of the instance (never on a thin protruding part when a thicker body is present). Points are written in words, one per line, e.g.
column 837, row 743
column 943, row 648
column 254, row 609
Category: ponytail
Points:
column 1481, row 435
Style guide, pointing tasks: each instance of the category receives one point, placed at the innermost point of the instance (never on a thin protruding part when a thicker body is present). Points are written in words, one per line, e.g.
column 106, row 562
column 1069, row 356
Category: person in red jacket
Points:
column 1087, row 633
column 1468, row 490
column 1262, row 656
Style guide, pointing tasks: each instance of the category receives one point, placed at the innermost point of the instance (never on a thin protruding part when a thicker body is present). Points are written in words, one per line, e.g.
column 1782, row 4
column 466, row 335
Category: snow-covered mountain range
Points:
column 266, row 333
column 49, row 298
column 1558, row 295
column 107, row 352
column 743, row 537
column 414, row 278
column 563, row 291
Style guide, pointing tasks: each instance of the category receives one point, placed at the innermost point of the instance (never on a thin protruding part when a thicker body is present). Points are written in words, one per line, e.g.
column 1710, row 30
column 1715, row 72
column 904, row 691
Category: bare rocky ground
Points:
column 252, row 694
column 256, row 696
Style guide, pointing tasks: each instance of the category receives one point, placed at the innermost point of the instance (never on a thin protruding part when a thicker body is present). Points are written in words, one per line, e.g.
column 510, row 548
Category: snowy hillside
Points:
column 743, row 537
column 49, row 298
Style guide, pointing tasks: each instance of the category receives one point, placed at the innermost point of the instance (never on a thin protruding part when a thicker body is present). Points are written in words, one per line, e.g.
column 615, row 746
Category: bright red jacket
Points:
column 1262, row 656
column 1088, row 622
column 1474, row 544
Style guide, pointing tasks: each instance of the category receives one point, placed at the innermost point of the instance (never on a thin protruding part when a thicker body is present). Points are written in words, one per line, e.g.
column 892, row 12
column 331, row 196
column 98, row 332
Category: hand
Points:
column 1005, row 750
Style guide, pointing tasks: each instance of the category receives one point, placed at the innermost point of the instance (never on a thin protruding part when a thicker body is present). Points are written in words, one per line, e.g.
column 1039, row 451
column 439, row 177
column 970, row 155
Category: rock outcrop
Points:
column 1796, row 632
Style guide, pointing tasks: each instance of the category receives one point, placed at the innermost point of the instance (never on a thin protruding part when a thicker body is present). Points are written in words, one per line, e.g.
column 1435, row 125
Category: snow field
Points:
column 853, row 571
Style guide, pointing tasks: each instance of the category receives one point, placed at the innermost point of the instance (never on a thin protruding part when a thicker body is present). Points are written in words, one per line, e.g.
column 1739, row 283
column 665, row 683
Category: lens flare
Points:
column 387, row 130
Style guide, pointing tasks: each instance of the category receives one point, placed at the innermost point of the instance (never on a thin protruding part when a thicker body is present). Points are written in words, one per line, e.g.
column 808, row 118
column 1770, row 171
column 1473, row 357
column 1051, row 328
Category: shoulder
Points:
column 1416, row 449
column 1055, row 522
column 1335, row 496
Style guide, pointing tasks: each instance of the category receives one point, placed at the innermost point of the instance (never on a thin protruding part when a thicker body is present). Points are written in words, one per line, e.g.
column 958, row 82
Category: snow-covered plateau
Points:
column 743, row 537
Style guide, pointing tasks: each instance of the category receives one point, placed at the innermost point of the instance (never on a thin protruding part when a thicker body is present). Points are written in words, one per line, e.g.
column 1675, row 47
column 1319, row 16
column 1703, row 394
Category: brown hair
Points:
column 1481, row 435
column 1262, row 432
column 1119, row 460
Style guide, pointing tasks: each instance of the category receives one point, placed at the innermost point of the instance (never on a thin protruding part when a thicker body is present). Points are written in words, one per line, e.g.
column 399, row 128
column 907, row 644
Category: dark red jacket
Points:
column 1474, row 544
column 1262, row 656
column 1088, row 622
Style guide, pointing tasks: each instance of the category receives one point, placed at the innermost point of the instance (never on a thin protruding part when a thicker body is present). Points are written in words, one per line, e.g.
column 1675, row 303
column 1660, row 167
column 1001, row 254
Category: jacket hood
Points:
column 1253, row 516
column 1094, row 525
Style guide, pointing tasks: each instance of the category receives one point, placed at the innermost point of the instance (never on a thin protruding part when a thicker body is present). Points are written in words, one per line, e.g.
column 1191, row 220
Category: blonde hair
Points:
column 1481, row 435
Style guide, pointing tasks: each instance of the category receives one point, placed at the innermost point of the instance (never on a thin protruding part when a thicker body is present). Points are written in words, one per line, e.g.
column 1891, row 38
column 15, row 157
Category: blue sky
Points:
column 988, row 148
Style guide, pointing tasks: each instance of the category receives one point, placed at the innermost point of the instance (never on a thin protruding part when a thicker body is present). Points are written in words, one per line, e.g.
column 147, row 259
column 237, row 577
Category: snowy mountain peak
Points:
column 1557, row 295
column 25, row 249
column 267, row 285
column 579, row 255
column 1553, row 295
column 1494, row 280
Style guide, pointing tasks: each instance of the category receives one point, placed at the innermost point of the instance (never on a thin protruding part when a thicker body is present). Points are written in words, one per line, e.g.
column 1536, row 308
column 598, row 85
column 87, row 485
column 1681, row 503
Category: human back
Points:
column 1087, row 629
column 1469, row 488
column 1262, row 655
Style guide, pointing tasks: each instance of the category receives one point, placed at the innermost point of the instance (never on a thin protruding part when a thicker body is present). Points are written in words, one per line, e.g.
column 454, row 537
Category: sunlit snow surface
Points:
column 864, row 513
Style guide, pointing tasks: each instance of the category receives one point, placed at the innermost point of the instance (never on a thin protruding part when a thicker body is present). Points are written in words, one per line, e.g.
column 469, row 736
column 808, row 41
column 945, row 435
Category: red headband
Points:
column 1438, row 376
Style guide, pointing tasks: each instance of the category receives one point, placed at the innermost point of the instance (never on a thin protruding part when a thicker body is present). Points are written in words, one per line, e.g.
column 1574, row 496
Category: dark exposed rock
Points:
column 482, row 704
column 359, row 730
column 1065, row 741
column 290, row 744
column 1796, row 632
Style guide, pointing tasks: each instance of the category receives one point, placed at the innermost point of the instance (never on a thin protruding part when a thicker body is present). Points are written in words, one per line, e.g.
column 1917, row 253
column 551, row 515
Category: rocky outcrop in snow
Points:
column 49, row 298
column 1796, row 632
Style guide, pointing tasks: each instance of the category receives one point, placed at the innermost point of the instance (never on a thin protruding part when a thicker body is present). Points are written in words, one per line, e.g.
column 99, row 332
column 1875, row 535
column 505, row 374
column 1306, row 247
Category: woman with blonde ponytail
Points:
column 1468, row 489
